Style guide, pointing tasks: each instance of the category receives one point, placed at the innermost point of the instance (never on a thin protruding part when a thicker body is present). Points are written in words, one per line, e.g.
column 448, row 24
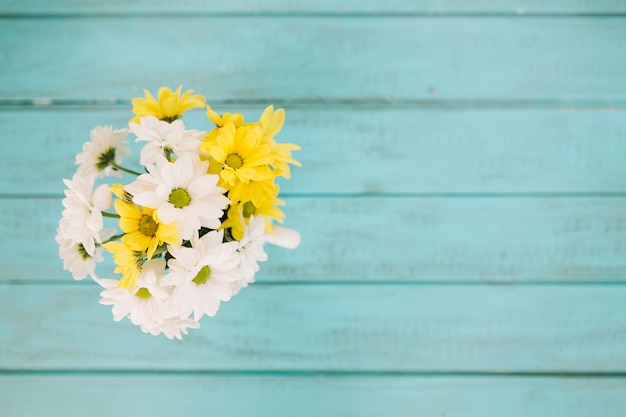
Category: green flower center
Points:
column 180, row 198
column 203, row 275
column 234, row 161
column 105, row 159
column 147, row 225
column 83, row 252
column 248, row 209
column 143, row 293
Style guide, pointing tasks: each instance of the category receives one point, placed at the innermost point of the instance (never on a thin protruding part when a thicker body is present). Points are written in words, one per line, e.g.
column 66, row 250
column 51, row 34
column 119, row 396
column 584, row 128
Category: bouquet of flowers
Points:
column 190, row 229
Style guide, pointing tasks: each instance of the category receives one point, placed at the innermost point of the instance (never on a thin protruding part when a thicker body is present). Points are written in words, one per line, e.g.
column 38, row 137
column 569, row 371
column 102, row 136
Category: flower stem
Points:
column 111, row 215
column 112, row 238
column 161, row 249
column 121, row 168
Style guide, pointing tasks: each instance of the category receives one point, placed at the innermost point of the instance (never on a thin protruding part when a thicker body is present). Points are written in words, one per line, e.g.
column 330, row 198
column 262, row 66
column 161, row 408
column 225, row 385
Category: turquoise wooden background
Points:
column 462, row 208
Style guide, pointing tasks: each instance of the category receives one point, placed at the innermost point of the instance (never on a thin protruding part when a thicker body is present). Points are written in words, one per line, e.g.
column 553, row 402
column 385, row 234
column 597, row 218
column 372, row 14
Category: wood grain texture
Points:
column 280, row 396
column 461, row 207
column 88, row 7
column 362, row 150
column 392, row 239
column 387, row 328
column 316, row 58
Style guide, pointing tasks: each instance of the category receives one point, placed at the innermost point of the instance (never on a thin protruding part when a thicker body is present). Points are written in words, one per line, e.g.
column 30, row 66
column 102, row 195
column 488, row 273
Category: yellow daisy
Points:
column 242, row 211
column 142, row 228
column 169, row 106
column 234, row 118
column 281, row 155
column 238, row 155
column 260, row 193
column 209, row 140
column 129, row 263
column 271, row 122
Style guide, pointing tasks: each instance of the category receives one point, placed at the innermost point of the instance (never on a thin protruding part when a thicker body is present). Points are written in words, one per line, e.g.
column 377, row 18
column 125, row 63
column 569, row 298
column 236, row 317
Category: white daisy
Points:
column 75, row 257
column 182, row 192
column 104, row 153
column 251, row 252
column 172, row 327
column 202, row 274
column 82, row 217
column 164, row 138
column 148, row 305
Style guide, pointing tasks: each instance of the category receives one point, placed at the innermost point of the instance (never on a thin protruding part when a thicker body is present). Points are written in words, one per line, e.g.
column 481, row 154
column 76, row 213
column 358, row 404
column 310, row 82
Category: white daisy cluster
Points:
column 176, row 252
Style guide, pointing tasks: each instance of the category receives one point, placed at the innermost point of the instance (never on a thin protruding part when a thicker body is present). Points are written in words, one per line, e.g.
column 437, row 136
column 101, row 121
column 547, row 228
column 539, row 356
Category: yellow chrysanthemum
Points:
column 129, row 263
column 169, row 106
column 260, row 193
column 281, row 154
column 238, row 155
column 142, row 228
column 209, row 140
column 271, row 122
column 220, row 121
column 242, row 211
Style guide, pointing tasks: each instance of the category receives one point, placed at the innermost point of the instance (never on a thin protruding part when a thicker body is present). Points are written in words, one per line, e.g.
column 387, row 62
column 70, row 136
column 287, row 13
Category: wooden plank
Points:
column 88, row 7
column 254, row 395
column 316, row 58
column 351, row 328
column 392, row 239
column 361, row 150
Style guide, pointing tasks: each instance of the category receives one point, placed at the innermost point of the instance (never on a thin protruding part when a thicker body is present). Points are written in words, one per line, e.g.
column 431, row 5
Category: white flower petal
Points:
column 284, row 237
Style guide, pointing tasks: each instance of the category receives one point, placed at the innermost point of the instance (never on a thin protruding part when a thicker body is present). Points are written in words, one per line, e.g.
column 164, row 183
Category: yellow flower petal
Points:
column 125, row 209
column 272, row 121
column 169, row 106
column 128, row 261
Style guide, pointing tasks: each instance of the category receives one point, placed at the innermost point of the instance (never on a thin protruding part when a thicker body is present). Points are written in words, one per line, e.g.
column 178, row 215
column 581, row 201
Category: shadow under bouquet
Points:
column 191, row 228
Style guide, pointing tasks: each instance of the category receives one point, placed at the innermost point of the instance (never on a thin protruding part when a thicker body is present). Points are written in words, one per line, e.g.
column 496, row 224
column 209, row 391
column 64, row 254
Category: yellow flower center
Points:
column 179, row 198
column 234, row 161
column 147, row 225
column 143, row 293
column 248, row 209
column 203, row 275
